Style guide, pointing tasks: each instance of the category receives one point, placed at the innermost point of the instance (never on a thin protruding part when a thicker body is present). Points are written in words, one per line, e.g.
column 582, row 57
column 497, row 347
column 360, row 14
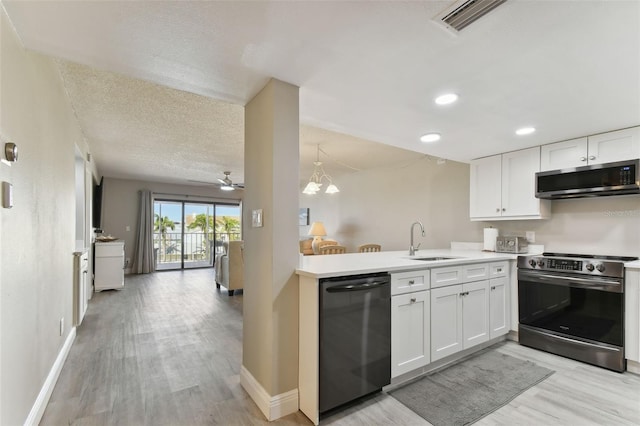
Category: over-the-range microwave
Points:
column 617, row 178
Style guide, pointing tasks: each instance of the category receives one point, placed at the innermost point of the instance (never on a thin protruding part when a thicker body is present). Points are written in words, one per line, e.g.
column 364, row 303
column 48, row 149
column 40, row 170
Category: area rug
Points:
column 466, row 392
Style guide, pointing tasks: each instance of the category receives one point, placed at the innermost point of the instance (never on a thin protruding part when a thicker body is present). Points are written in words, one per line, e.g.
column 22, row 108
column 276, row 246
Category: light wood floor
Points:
column 167, row 350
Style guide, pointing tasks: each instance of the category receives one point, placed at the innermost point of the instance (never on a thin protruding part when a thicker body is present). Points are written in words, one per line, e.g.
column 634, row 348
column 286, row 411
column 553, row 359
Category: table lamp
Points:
column 318, row 231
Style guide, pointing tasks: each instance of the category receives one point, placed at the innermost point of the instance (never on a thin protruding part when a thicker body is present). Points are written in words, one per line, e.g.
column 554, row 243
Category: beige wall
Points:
column 270, row 319
column 37, row 236
column 379, row 206
column 120, row 204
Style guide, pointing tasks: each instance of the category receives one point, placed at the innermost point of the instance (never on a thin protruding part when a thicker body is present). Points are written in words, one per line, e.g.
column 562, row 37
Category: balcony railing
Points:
column 199, row 247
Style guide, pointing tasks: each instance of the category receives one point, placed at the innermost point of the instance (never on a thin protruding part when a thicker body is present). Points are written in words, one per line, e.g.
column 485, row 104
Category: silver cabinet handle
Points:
column 498, row 210
column 499, row 269
column 493, row 287
column 583, row 158
column 413, row 300
column 592, row 157
column 411, row 282
column 504, row 210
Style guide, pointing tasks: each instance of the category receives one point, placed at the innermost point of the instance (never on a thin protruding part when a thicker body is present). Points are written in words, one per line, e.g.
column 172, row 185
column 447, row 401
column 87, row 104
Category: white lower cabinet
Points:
column 499, row 307
column 410, row 342
column 632, row 318
column 446, row 321
column 460, row 318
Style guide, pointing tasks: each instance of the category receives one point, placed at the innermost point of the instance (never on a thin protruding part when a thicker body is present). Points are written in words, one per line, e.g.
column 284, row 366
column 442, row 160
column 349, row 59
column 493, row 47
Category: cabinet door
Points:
column 519, row 182
column 562, row 155
column 446, row 321
column 484, row 191
column 498, row 307
column 475, row 313
column 632, row 315
column 410, row 330
column 614, row 146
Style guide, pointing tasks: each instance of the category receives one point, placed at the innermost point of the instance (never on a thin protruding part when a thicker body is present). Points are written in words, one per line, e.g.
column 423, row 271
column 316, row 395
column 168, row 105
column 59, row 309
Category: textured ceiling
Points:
column 367, row 69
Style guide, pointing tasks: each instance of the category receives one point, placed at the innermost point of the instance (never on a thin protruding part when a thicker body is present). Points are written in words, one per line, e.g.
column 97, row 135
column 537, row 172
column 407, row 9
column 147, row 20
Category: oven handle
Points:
column 613, row 286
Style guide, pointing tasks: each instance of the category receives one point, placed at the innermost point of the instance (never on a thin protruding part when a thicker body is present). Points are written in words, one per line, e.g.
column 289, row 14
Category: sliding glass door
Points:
column 189, row 235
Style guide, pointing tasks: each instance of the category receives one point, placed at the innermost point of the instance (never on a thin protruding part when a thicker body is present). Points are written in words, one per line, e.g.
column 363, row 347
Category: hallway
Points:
column 166, row 350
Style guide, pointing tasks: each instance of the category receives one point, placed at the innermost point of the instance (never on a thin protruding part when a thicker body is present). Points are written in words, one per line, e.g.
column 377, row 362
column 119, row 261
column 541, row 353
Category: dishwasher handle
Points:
column 356, row 287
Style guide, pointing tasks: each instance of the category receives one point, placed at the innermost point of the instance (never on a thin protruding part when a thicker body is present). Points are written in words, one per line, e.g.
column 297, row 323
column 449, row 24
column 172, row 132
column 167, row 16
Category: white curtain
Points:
column 143, row 259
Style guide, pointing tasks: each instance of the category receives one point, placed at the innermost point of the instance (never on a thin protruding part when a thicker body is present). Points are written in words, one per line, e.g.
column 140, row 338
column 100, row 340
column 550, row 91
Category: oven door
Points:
column 570, row 305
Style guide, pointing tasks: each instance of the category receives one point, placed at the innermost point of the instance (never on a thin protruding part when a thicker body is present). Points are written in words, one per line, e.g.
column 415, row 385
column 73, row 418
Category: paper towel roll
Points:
column 490, row 235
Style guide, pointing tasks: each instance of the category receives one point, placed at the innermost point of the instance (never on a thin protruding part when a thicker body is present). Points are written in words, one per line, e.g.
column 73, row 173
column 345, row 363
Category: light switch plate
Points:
column 7, row 195
column 256, row 218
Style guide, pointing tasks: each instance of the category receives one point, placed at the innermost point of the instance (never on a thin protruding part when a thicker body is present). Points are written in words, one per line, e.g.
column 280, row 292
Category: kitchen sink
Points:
column 433, row 259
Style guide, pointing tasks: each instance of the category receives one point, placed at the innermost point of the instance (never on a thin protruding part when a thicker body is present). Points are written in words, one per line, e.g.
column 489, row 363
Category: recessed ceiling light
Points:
column 430, row 137
column 525, row 131
column 446, row 99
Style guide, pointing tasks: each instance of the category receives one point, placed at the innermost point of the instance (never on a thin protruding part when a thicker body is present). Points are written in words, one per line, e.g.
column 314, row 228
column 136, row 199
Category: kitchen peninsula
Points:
column 444, row 305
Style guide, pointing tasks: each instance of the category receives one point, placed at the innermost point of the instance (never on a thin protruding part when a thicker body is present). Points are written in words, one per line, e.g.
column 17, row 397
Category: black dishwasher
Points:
column 355, row 337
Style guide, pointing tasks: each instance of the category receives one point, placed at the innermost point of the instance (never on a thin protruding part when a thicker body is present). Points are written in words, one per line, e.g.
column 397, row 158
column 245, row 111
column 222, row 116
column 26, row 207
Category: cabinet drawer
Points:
column 109, row 250
column 475, row 272
column 498, row 269
column 408, row 282
column 441, row 277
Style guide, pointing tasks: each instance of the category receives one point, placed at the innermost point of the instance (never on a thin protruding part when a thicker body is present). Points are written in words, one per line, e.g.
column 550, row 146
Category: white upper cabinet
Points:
column 597, row 149
column 563, row 155
column 502, row 187
column 486, row 181
column 614, row 146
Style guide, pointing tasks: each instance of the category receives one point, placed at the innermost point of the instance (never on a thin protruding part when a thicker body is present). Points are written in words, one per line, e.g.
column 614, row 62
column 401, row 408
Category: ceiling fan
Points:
column 225, row 184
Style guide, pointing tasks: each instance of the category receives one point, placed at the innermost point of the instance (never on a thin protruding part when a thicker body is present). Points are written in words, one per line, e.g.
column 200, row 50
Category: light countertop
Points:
column 632, row 265
column 389, row 261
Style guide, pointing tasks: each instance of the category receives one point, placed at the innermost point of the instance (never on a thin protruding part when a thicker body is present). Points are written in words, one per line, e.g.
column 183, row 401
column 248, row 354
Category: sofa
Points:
column 229, row 267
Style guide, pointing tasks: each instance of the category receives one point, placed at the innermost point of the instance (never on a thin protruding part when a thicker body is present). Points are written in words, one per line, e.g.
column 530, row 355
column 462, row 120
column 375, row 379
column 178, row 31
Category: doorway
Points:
column 188, row 235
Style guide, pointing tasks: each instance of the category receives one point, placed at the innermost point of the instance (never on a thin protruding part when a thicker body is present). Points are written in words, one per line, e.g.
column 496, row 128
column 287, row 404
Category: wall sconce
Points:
column 11, row 152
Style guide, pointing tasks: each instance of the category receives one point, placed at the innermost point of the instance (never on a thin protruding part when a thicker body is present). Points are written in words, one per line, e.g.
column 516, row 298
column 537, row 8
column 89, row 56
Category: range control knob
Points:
column 600, row 267
column 532, row 262
column 540, row 263
column 589, row 267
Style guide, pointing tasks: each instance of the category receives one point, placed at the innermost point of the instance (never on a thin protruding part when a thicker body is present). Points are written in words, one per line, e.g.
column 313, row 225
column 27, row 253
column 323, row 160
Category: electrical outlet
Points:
column 531, row 236
column 61, row 326
column 127, row 228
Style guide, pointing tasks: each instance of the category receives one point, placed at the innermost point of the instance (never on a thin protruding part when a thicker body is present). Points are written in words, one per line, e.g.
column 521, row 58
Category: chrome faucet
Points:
column 412, row 250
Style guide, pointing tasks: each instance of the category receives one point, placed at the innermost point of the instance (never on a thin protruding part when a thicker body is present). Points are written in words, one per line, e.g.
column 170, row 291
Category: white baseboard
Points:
column 273, row 407
column 40, row 404
column 633, row 367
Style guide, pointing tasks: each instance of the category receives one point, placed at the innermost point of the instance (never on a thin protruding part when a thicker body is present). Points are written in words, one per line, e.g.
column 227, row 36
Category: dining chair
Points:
column 332, row 249
column 326, row 243
column 369, row 248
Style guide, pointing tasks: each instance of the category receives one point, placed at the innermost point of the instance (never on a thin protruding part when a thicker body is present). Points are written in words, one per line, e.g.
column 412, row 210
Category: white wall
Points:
column 120, row 204
column 37, row 236
column 379, row 206
column 604, row 225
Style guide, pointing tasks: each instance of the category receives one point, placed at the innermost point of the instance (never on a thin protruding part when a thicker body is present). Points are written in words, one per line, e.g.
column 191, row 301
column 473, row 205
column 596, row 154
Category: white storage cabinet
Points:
column 81, row 270
column 502, row 187
column 467, row 310
column 109, row 264
column 460, row 312
column 607, row 147
column 410, row 321
column 632, row 320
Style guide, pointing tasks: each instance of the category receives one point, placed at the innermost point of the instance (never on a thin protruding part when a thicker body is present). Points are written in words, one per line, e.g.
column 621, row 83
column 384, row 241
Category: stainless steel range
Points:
column 573, row 305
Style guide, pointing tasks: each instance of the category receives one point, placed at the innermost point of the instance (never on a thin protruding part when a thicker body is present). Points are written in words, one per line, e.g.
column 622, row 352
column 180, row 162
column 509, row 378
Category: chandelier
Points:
column 315, row 181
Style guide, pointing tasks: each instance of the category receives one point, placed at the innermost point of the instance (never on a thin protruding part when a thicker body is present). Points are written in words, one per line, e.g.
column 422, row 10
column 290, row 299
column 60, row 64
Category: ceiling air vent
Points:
column 467, row 12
